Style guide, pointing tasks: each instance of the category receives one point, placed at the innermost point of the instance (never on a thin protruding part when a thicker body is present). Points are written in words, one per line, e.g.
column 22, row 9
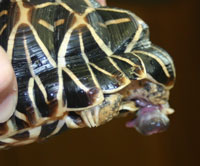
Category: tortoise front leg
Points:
column 102, row 113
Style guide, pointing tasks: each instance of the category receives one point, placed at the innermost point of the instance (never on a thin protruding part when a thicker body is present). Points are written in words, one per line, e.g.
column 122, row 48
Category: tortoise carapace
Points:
column 79, row 64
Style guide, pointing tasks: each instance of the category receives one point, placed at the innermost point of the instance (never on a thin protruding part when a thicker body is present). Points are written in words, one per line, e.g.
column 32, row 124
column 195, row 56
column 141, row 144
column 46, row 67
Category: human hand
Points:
column 8, row 88
column 102, row 2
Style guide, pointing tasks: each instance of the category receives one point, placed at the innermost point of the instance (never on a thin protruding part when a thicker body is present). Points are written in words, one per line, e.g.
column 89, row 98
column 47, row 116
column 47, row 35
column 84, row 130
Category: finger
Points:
column 8, row 88
column 102, row 2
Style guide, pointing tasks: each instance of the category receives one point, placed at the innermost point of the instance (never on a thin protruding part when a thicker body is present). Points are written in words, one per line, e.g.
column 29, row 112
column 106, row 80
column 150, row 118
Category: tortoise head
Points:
column 151, row 94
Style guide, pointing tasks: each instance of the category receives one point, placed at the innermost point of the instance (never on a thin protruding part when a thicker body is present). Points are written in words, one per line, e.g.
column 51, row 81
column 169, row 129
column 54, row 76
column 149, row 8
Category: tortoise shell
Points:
column 68, row 56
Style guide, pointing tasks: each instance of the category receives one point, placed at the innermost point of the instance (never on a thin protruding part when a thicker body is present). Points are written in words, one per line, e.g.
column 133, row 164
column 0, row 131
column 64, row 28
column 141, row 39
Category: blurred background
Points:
column 175, row 26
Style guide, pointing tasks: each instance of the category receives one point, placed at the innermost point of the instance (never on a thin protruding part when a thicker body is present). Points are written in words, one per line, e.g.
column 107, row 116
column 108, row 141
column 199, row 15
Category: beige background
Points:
column 176, row 27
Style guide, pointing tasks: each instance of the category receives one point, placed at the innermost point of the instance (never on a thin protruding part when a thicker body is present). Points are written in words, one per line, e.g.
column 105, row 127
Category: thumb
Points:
column 8, row 88
column 102, row 2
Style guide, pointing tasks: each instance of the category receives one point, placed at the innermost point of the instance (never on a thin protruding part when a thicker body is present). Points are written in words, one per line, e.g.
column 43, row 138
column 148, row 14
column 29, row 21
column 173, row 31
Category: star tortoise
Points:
column 79, row 64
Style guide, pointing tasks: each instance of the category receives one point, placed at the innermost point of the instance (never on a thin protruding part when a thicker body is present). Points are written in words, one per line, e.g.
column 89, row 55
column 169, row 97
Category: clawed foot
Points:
column 103, row 113
column 91, row 117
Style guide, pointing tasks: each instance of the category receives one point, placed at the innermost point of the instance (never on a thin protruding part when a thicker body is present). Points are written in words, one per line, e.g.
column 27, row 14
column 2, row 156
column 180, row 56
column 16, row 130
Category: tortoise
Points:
column 79, row 64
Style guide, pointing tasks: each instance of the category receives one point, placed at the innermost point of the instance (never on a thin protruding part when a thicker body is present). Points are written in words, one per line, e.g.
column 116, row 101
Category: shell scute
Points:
column 158, row 64
column 121, row 27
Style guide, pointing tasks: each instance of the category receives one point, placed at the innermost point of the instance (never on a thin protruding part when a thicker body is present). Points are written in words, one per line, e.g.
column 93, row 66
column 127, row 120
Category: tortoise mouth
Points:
column 149, row 118
column 149, row 103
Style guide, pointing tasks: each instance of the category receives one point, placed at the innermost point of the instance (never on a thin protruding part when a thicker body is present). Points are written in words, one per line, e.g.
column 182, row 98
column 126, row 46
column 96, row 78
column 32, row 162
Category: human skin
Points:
column 8, row 88
column 8, row 84
column 102, row 2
